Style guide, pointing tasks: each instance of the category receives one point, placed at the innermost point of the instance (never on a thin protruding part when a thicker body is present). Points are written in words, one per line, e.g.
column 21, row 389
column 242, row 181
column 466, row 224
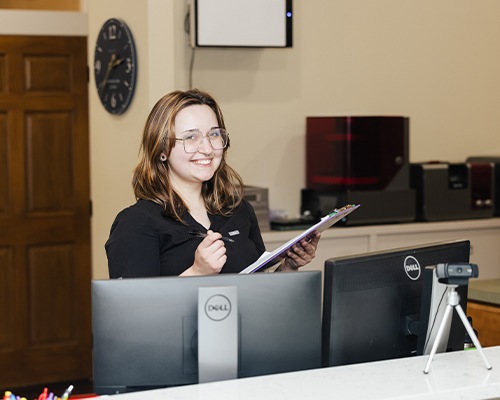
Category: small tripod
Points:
column 454, row 303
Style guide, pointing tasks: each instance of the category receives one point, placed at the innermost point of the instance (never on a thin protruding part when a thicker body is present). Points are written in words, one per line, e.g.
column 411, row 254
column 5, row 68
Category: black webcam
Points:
column 456, row 273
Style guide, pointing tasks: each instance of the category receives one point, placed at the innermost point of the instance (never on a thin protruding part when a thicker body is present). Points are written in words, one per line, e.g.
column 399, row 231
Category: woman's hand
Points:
column 301, row 254
column 210, row 256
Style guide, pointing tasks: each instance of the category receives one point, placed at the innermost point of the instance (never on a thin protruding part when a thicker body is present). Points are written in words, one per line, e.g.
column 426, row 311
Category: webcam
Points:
column 456, row 273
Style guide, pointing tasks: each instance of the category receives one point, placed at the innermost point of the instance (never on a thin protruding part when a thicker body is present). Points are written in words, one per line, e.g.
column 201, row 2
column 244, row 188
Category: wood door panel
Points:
column 45, row 269
column 51, row 287
column 4, row 188
column 40, row 230
column 47, row 74
column 6, row 298
column 49, row 144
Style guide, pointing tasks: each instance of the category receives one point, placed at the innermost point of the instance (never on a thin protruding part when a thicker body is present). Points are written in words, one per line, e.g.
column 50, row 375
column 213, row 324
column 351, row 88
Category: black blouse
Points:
column 143, row 242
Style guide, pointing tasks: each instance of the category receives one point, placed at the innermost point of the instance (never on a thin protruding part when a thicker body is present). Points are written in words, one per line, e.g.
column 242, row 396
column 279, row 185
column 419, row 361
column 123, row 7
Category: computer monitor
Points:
column 145, row 329
column 372, row 303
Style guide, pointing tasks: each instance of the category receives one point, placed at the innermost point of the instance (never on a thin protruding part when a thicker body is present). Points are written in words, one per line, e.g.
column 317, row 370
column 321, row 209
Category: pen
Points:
column 201, row 234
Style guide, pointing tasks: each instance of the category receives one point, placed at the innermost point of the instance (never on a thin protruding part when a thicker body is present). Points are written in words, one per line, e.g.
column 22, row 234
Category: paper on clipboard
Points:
column 269, row 259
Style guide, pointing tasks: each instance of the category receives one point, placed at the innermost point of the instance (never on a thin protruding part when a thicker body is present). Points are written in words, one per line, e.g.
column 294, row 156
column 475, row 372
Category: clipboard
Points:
column 268, row 259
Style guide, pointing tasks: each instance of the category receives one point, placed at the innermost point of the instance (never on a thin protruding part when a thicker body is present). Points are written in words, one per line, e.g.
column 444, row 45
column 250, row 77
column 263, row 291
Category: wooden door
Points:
column 45, row 269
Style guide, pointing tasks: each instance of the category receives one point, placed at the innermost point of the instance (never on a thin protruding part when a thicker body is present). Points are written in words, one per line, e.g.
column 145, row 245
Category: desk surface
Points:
column 458, row 375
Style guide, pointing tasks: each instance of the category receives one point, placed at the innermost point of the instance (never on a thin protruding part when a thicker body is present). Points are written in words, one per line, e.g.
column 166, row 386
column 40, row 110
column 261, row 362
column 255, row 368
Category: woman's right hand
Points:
column 210, row 256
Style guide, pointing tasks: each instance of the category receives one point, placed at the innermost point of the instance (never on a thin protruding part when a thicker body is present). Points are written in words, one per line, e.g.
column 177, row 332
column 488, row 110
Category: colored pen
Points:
column 43, row 395
column 201, row 234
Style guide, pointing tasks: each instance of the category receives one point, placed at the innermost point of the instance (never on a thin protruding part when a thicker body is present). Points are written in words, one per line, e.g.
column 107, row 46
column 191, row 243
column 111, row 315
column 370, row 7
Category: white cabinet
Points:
column 484, row 235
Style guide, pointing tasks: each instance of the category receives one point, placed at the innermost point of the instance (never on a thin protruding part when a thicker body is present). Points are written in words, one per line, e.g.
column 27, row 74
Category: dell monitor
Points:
column 145, row 329
column 375, row 306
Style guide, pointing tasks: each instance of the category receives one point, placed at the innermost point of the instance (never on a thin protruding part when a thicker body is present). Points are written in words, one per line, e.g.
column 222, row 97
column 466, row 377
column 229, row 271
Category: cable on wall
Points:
column 191, row 62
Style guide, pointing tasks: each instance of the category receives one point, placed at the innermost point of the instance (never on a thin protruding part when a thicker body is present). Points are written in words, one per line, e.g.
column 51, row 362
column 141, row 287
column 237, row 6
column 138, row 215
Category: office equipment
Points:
column 145, row 329
column 447, row 191
column 359, row 160
column 432, row 311
column 259, row 199
column 372, row 303
column 240, row 23
column 217, row 333
column 268, row 259
column 455, row 275
column 495, row 160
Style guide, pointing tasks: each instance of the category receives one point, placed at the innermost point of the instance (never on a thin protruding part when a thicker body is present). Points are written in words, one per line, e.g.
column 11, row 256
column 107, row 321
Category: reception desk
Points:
column 458, row 375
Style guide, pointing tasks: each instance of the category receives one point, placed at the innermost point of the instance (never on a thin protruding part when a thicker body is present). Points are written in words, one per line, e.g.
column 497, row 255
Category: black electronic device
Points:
column 391, row 206
column 448, row 191
column 495, row 161
column 372, row 303
column 456, row 273
column 145, row 329
column 452, row 276
column 359, row 160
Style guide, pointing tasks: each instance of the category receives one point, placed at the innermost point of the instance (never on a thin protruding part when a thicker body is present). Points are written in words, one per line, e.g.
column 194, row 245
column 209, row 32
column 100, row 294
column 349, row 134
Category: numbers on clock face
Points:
column 115, row 66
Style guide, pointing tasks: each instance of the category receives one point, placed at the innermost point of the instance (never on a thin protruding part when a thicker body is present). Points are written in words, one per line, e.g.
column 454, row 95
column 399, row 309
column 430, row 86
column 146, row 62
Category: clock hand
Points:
column 113, row 62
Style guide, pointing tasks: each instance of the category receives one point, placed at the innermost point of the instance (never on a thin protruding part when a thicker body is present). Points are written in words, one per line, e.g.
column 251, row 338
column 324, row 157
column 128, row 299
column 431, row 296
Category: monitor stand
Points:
column 454, row 303
column 217, row 333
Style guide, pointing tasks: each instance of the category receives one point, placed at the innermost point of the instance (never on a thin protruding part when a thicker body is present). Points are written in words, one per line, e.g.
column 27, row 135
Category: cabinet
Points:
column 484, row 235
column 486, row 321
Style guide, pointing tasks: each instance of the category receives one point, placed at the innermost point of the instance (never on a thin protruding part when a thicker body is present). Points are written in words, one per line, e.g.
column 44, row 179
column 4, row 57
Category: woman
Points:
column 190, row 217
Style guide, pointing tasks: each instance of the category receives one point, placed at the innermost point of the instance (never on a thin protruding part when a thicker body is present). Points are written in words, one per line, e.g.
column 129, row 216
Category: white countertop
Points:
column 458, row 375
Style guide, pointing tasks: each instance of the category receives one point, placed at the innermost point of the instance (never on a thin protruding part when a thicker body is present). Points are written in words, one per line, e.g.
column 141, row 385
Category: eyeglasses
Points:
column 192, row 139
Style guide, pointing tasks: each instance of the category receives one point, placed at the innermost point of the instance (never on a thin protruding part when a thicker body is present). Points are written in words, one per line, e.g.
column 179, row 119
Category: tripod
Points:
column 454, row 303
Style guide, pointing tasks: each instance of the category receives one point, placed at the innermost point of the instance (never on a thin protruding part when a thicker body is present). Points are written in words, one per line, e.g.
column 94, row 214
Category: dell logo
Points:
column 218, row 307
column 412, row 268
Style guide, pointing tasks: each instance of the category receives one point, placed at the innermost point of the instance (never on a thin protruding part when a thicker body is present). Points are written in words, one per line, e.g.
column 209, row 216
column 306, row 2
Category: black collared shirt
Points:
column 143, row 242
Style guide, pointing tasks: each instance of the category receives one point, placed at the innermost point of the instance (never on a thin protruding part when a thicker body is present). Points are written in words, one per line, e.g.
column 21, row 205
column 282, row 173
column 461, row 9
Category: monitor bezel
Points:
column 130, row 315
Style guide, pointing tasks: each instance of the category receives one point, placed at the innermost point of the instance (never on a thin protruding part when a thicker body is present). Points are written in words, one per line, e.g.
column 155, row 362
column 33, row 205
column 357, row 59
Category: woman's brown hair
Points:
column 222, row 193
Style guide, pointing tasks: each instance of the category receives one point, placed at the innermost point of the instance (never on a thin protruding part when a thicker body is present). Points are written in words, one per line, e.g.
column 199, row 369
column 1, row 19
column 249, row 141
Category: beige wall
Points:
column 436, row 61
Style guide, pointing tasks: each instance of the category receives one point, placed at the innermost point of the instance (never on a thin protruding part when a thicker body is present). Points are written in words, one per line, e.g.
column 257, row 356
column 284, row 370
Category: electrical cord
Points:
column 191, row 62
column 435, row 318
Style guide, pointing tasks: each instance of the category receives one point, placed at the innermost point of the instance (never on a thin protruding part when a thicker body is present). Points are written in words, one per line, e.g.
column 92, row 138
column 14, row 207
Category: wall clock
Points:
column 115, row 66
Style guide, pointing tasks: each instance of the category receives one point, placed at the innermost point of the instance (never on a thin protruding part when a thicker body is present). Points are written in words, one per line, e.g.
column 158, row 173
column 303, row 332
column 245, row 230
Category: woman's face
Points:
column 198, row 167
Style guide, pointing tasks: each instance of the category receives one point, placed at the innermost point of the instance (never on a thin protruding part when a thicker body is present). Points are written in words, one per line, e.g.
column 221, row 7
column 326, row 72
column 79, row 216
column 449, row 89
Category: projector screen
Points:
column 240, row 23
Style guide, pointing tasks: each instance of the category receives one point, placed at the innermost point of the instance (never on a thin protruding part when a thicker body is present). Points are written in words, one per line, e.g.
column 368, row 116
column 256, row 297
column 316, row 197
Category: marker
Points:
column 67, row 392
column 43, row 395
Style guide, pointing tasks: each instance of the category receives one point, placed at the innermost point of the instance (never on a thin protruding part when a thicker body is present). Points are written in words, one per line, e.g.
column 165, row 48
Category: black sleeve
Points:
column 133, row 246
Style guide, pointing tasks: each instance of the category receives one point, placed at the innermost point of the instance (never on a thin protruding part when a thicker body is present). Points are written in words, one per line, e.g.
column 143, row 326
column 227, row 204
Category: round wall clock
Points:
column 115, row 66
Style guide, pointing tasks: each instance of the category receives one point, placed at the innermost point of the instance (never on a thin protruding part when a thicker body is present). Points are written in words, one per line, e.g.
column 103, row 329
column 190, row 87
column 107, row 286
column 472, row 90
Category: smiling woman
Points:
column 183, row 184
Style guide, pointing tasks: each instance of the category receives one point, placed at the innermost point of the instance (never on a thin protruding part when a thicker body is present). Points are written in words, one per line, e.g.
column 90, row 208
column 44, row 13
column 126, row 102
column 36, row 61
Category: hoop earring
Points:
column 163, row 157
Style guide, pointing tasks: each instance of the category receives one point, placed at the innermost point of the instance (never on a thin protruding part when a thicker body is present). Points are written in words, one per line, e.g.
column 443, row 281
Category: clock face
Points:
column 115, row 66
